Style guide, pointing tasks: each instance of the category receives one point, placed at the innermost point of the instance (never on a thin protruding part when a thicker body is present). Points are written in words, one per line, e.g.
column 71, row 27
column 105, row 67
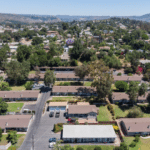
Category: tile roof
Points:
column 73, row 89
column 137, row 124
column 19, row 94
column 82, row 109
column 15, row 121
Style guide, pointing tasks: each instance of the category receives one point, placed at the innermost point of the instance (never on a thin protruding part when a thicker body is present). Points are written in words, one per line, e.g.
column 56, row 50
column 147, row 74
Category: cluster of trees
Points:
column 3, row 107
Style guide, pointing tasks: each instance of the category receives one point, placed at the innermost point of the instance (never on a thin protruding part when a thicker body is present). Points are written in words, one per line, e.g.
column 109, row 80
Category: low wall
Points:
column 5, row 147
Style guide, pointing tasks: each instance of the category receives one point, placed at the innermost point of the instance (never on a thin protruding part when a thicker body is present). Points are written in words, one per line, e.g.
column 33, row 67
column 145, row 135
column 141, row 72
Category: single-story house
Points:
column 73, row 90
column 62, row 106
column 19, row 123
column 20, row 95
column 88, row 134
column 124, row 98
column 133, row 126
column 70, row 77
column 128, row 78
column 61, row 68
column 82, row 111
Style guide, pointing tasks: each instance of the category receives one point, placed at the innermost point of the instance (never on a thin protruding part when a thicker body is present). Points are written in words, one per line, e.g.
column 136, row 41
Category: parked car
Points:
column 57, row 114
column 51, row 145
column 51, row 114
column 52, row 139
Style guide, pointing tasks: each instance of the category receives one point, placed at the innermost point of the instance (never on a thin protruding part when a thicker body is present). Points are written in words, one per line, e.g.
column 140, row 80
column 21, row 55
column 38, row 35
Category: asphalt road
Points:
column 27, row 144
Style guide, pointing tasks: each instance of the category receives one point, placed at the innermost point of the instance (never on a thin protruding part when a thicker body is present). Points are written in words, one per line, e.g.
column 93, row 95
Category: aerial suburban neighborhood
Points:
column 79, row 84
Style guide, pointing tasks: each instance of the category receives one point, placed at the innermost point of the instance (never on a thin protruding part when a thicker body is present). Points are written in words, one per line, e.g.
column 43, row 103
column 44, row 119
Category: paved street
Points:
column 35, row 124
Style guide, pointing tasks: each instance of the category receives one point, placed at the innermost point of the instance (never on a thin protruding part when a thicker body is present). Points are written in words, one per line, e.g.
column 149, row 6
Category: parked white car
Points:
column 51, row 145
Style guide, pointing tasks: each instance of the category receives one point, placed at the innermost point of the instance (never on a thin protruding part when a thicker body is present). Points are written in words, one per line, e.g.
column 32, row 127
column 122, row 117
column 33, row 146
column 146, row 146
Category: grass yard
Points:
column 17, row 88
column 3, row 140
column 104, row 114
column 69, row 98
column 86, row 83
column 12, row 107
column 122, row 111
column 21, row 138
column 143, row 144
column 91, row 147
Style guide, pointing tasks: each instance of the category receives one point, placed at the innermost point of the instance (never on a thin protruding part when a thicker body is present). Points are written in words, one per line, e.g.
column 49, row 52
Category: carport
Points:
column 61, row 106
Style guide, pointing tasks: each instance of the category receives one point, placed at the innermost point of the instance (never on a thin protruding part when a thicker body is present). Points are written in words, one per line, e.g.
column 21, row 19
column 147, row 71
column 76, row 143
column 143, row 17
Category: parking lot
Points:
column 41, row 139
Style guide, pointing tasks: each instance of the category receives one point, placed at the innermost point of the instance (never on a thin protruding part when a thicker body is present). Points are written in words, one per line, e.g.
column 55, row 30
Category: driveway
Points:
column 45, row 131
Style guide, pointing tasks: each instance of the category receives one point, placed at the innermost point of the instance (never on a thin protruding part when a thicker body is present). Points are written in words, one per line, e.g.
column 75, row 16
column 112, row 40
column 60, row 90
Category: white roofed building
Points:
column 88, row 134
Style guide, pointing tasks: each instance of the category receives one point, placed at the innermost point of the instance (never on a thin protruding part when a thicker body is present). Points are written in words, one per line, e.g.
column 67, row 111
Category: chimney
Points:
column 129, row 128
column 6, row 124
column 5, row 95
column 148, row 126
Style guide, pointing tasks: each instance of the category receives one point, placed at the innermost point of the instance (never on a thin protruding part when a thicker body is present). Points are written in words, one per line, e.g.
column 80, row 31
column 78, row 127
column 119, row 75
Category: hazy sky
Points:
column 76, row 7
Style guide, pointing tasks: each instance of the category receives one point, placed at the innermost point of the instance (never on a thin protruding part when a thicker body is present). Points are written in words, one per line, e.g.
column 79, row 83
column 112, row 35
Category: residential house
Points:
column 20, row 123
column 124, row 98
column 82, row 111
column 73, row 90
column 133, row 126
column 88, row 134
column 19, row 95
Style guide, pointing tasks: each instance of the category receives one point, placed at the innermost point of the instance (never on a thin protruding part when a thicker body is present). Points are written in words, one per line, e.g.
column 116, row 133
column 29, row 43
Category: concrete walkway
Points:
column 148, row 137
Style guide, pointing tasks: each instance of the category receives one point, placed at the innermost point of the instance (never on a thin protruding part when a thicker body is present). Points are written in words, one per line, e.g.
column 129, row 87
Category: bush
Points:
column 129, row 70
column 129, row 74
column 109, row 107
column 133, row 144
column 118, row 117
column 135, row 112
column 79, row 148
column 137, row 138
column 97, row 148
column 121, row 86
column 119, row 74
column 117, row 103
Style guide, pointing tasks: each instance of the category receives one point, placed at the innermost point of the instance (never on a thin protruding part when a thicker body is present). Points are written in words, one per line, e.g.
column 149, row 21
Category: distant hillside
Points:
column 27, row 18
column 66, row 18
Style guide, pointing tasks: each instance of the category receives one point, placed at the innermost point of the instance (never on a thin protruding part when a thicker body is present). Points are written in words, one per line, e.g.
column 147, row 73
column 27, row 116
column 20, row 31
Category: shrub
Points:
column 135, row 112
column 109, row 107
column 113, row 118
column 121, row 86
column 60, row 124
column 79, row 148
column 129, row 70
column 97, row 148
column 117, row 103
column 129, row 74
column 119, row 74
column 116, row 128
column 118, row 117
column 137, row 138
column 133, row 144
column 86, row 123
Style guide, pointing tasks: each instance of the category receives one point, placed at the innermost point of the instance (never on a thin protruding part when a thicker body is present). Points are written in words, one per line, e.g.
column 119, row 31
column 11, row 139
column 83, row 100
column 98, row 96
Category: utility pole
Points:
column 32, row 142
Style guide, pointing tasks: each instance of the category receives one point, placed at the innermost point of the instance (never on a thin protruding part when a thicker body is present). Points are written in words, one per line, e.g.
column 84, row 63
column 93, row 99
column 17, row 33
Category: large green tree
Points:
column 82, row 71
column 133, row 91
column 23, row 53
column 102, row 78
column 17, row 71
column 4, row 86
column 121, row 86
column 3, row 107
column 49, row 78
column 37, row 41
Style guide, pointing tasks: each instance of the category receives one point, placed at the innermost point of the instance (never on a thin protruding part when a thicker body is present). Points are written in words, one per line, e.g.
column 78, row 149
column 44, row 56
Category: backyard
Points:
column 143, row 144
column 104, row 114
column 68, row 98
column 20, row 138
column 17, row 88
column 122, row 111
column 14, row 107
column 71, row 83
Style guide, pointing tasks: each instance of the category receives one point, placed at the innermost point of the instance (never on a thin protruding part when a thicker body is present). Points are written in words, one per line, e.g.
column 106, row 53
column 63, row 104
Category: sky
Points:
column 77, row 7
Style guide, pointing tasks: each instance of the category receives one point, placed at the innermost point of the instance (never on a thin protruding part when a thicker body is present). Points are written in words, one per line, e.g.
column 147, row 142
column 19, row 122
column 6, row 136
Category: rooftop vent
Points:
column 129, row 128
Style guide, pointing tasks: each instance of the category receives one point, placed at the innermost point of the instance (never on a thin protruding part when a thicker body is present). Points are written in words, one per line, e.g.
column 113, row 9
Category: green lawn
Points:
column 12, row 107
column 122, row 111
column 17, row 88
column 3, row 140
column 69, row 98
column 104, row 114
column 86, row 83
column 21, row 138
column 143, row 144
column 91, row 147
